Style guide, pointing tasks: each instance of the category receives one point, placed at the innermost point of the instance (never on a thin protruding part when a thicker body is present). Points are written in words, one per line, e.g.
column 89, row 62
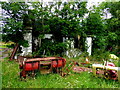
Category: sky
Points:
column 94, row 2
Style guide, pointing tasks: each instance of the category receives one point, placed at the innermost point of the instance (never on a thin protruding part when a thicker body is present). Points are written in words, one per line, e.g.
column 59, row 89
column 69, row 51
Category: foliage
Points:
column 101, row 55
column 105, row 31
column 112, row 24
column 94, row 27
column 74, row 52
column 13, row 24
column 10, row 79
column 63, row 19
column 51, row 48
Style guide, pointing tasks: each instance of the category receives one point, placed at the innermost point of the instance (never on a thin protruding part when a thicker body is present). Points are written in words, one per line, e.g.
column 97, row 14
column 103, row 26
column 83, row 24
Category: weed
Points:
column 10, row 79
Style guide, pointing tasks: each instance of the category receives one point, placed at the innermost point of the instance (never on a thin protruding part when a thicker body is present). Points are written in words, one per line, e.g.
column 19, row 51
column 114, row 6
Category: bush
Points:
column 51, row 48
column 101, row 55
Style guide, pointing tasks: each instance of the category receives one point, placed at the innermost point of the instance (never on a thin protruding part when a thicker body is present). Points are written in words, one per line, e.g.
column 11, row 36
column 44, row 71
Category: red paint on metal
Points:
column 31, row 66
column 54, row 64
column 110, row 64
column 60, row 63
column 112, row 74
column 63, row 61
column 35, row 64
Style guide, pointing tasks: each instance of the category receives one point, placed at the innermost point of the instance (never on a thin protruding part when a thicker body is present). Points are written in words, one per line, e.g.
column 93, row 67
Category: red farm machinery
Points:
column 44, row 65
column 29, row 65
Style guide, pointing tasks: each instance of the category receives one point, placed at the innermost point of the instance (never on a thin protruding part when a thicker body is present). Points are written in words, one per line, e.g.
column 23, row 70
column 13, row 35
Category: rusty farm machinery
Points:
column 29, row 66
column 44, row 65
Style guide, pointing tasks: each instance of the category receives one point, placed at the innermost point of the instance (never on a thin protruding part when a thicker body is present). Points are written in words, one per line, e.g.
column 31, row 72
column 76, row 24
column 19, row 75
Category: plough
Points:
column 44, row 65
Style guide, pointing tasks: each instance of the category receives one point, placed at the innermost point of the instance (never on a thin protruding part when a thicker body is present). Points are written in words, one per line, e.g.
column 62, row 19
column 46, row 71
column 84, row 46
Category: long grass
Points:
column 0, row 75
column 10, row 79
column 4, row 45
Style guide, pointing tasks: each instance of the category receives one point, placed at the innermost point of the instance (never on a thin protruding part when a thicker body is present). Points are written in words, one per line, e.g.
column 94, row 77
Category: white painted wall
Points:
column 48, row 36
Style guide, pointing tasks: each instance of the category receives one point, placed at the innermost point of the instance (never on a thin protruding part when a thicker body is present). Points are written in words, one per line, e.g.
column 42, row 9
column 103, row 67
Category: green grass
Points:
column 4, row 45
column 0, row 75
column 10, row 79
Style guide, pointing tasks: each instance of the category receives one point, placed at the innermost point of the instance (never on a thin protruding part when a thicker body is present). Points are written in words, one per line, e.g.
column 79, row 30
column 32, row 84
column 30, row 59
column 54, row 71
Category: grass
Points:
column 4, row 45
column 10, row 79
column 0, row 75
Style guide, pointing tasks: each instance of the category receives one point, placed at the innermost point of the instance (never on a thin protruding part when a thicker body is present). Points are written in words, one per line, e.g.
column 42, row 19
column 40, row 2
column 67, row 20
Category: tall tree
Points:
column 113, row 25
column 94, row 26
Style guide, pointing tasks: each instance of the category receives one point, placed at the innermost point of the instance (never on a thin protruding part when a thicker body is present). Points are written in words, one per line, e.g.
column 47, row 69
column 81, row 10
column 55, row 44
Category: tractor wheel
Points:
column 106, row 75
column 110, row 75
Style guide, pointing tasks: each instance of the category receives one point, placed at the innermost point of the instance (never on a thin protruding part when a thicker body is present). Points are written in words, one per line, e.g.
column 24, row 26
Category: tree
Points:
column 13, row 29
column 94, row 26
column 113, row 24
column 63, row 21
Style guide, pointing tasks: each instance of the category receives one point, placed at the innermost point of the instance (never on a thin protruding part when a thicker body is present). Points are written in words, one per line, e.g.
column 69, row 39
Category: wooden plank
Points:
column 45, row 71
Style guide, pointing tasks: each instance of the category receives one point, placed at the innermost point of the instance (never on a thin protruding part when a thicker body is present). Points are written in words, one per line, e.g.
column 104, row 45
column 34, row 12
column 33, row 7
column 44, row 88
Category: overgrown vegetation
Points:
column 10, row 76
column 51, row 48
column 10, row 79
column 63, row 20
column 0, row 75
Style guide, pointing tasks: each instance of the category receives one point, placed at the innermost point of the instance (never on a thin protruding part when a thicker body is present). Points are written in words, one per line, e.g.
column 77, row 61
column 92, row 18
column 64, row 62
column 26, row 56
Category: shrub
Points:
column 51, row 48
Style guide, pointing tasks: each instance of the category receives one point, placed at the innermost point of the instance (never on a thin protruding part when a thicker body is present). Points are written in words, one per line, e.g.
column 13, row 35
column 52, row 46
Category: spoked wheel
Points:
column 106, row 75
column 110, row 74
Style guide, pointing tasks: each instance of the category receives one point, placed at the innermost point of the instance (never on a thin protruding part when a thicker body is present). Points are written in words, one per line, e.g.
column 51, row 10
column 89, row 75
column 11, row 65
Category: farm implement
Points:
column 44, row 65
column 108, row 71
column 28, row 67
column 55, row 65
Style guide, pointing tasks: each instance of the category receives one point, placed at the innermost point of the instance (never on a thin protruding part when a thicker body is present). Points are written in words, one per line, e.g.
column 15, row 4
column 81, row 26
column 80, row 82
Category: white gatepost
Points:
column 89, row 45
column 27, row 50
